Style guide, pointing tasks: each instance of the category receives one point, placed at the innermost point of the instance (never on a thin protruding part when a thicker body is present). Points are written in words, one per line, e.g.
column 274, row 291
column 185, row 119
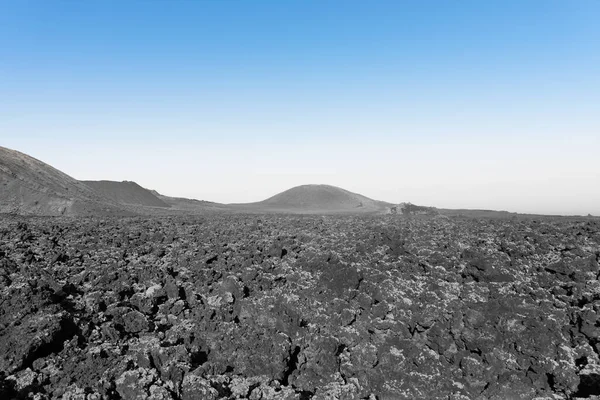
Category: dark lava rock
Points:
column 484, row 268
column 135, row 322
column 36, row 336
column 298, row 307
column 341, row 280
column 316, row 364
column 195, row 386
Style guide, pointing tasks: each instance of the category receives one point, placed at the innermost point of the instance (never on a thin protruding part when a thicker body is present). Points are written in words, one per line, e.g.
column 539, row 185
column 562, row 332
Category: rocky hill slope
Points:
column 126, row 193
column 318, row 199
column 31, row 187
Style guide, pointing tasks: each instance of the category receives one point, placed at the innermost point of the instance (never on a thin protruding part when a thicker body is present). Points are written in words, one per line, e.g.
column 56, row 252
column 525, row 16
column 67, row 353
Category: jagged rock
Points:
column 25, row 380
column 172, row 289
column 341, row 280
column 36, row 336
column 194, row 387
column 135, row 322
column 353, row 308
column 486, row 268
column 141, row 383
column 317, row 364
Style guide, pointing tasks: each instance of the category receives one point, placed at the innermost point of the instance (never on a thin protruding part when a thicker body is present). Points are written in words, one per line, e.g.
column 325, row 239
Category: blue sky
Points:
column 479, row 104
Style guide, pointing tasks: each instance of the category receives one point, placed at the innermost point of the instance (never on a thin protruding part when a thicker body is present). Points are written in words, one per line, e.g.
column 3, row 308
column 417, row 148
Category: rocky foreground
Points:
column 276, row 307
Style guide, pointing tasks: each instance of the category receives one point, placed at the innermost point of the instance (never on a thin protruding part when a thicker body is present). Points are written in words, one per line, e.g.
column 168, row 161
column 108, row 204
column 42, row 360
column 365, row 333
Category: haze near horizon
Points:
column 489, row 105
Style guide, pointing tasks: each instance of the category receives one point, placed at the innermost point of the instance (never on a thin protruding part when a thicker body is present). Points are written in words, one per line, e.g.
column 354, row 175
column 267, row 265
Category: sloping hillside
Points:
column 318, row 199
column 31, row 187
column 127, row 193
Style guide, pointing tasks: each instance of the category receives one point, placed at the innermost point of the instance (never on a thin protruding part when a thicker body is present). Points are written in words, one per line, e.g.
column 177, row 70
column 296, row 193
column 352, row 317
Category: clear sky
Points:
column 461, row 104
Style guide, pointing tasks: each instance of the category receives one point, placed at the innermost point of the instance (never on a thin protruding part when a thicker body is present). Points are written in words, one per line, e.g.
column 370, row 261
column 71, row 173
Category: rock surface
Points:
column 299, row 307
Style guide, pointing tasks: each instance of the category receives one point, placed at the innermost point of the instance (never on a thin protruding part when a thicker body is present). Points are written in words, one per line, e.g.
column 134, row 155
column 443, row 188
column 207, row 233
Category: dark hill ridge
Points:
column 29, row 186
column 318, row 199
column 126, row 192
column 192, row 206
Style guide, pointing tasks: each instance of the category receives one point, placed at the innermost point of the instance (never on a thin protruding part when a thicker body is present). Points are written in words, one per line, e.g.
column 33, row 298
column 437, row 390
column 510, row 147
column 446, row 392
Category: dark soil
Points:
column 284, row 307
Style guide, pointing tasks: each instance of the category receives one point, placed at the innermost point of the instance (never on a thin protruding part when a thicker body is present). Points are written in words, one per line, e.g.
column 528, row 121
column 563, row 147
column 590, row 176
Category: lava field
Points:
column 299, row 307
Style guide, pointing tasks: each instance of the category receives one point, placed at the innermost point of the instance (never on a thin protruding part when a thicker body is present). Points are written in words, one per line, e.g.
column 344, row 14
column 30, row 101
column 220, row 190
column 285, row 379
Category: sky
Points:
column 455, row 104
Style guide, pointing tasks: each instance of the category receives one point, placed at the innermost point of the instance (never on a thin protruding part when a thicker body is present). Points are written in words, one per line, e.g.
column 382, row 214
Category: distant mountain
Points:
column 126, row 193
column 312, row 199
column 31, row 187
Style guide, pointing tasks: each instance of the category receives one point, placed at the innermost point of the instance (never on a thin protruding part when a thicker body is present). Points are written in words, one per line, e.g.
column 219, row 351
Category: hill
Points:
column 312, row 199
column 126, row 193
column 182, row 205
column 29, row 186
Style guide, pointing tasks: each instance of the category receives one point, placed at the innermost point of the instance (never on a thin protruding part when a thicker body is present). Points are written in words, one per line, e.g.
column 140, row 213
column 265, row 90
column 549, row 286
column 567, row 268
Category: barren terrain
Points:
column 315, row 199
column 126, row 193
column 29, row 186
column 299, row 307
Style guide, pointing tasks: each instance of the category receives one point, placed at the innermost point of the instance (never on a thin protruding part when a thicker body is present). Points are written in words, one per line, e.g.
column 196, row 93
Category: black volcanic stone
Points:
column 297, row 307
